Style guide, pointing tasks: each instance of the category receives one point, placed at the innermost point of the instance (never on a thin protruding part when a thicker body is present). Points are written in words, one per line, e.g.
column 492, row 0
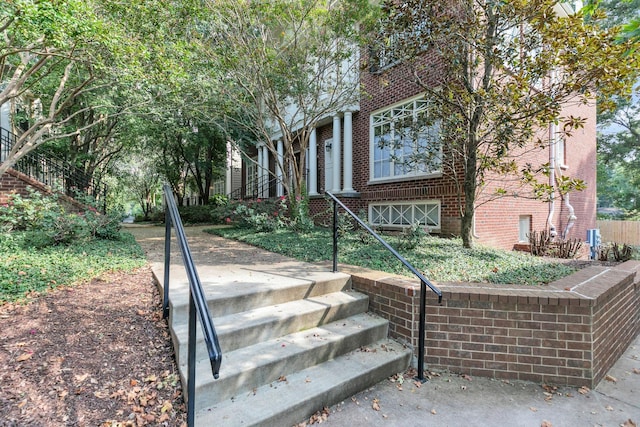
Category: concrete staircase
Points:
column 291, row 344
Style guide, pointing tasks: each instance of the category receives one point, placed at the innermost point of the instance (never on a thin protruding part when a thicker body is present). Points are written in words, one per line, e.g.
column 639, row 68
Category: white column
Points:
column 259, row 174
column 279, row 171
column 264, row 193
column 335, row 146
column 313, row 163
column 348, row 153
column 229, row 172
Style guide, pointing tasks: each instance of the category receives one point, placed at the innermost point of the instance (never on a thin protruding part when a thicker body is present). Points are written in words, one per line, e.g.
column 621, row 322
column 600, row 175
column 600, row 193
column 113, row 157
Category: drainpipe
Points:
column 552, row 179
column 572, row 218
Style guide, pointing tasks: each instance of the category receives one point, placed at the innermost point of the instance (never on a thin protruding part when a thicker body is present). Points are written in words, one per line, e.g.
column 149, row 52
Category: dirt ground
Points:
column 96, row 354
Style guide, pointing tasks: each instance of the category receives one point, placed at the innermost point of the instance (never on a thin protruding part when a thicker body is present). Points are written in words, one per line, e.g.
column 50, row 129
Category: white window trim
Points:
column 251, row 175
column 432, row 228
column 522, row 233
column 405, row 177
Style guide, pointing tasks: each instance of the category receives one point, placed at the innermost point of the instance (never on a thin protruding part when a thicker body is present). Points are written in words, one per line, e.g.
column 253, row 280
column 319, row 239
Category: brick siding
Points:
column 497, row 221
column 14, row 182
column 569, row 332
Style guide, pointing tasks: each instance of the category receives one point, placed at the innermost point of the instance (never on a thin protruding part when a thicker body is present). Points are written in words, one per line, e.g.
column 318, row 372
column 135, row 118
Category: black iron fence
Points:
column 53, row 172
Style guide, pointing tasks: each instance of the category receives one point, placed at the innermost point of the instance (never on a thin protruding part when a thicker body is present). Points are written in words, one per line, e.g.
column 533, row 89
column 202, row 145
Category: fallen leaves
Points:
column 64, row 362
column 611, row 379
column 629, row 423
column 375, row 405
column 24, row 356
column 584, row 390
column 317, row 418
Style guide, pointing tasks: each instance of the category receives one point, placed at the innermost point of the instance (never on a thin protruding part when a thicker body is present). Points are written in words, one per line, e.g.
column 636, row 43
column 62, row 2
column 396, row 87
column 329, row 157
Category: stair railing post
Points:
column 335, row 236
column 167, row 258
column 421, row 331
column 191, row 380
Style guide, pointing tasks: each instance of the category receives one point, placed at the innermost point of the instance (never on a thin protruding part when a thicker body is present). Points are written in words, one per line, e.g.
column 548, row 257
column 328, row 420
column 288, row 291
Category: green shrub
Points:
column 47, row 223
column 106, row 226
column 27, row 213
column 218, row 200
column 412, row 236
column 197, row 214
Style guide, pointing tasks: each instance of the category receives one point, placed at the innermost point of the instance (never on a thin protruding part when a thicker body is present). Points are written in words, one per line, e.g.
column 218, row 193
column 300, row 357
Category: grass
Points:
column 439, row 259
column 24, row 271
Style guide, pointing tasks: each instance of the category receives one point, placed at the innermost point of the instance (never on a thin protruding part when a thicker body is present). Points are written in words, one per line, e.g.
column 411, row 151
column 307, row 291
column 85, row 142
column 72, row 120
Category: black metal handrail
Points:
column 424, row 282
column 197, row 302
column 54, row 172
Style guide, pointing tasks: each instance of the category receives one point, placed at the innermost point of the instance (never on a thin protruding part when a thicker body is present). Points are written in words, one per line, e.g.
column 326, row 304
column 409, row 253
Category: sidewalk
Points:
column 447, row 399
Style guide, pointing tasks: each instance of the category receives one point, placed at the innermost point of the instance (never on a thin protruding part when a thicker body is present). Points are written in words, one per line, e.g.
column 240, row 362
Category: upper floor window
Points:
column 399, row 43
column 405, row 142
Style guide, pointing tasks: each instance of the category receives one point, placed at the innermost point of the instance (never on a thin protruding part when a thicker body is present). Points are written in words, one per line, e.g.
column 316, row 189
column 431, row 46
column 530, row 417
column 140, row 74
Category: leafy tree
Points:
column 283, row 66
column 504, row 72
column 139, row 178
column 52, row 54
column 618, row 13
column 619, row 128
column 205, row 155
column 619, row 153
column 81, row 75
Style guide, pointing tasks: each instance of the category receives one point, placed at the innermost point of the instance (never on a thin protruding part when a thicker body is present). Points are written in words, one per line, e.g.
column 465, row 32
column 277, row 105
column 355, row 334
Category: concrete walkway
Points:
column 447, row 399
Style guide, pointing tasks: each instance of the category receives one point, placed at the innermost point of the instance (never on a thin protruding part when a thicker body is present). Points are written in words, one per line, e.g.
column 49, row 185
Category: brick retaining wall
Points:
column 569, row 332
column 17, row 182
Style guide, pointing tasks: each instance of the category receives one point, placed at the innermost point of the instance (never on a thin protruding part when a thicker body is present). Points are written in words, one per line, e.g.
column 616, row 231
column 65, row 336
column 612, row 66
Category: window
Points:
column 251, row 186
column 524, row 228
column 219, row 187
column 404, row 142
column 403, row 214
column 404, row 42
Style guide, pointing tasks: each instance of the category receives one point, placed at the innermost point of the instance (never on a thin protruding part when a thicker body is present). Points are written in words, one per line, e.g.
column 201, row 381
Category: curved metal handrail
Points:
column 424, row 282
column 197, row 301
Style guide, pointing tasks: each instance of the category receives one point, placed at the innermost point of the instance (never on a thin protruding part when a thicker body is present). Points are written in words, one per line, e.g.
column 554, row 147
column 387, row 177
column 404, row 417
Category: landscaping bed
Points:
column 95, row 354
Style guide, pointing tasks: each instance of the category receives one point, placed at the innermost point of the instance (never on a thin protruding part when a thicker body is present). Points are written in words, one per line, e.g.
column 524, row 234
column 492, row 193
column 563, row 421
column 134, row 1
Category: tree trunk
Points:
column 470, row 186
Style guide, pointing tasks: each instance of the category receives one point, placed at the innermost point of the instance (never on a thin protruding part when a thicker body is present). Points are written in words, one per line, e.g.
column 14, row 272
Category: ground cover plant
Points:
column 26, row 271
column 44, row 246
column 439, row 258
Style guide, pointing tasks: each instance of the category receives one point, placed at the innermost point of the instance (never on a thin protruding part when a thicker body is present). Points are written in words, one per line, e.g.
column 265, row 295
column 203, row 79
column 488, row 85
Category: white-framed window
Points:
column 524, row 228
column 219, row 187
column 404, row 141
column 392, row 49
column 251, row 176
column 404, row 214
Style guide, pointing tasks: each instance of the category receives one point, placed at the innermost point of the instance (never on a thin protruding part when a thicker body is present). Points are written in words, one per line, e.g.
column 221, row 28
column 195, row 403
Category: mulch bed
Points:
column 96, row 354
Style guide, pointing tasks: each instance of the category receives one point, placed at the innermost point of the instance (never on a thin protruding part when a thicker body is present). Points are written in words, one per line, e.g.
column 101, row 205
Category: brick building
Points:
column 345, row 158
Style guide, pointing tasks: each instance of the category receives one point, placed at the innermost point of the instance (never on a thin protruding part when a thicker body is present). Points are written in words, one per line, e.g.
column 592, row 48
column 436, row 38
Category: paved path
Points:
column 447, row 399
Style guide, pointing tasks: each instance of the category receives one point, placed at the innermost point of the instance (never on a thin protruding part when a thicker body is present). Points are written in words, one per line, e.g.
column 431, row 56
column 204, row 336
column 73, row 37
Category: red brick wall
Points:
column 13, row 182
column 497, row 222
column 18, row 183
column 569, row 332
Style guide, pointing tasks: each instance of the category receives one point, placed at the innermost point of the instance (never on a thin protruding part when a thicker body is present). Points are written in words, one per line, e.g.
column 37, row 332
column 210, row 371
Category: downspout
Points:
column 552, row 179
column 572, row 218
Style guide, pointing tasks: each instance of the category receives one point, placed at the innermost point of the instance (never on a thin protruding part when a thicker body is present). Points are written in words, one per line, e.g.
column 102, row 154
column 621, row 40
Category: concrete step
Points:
column 251, row 327
column 292, row 400
column 248, row 291
column 251, row 367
